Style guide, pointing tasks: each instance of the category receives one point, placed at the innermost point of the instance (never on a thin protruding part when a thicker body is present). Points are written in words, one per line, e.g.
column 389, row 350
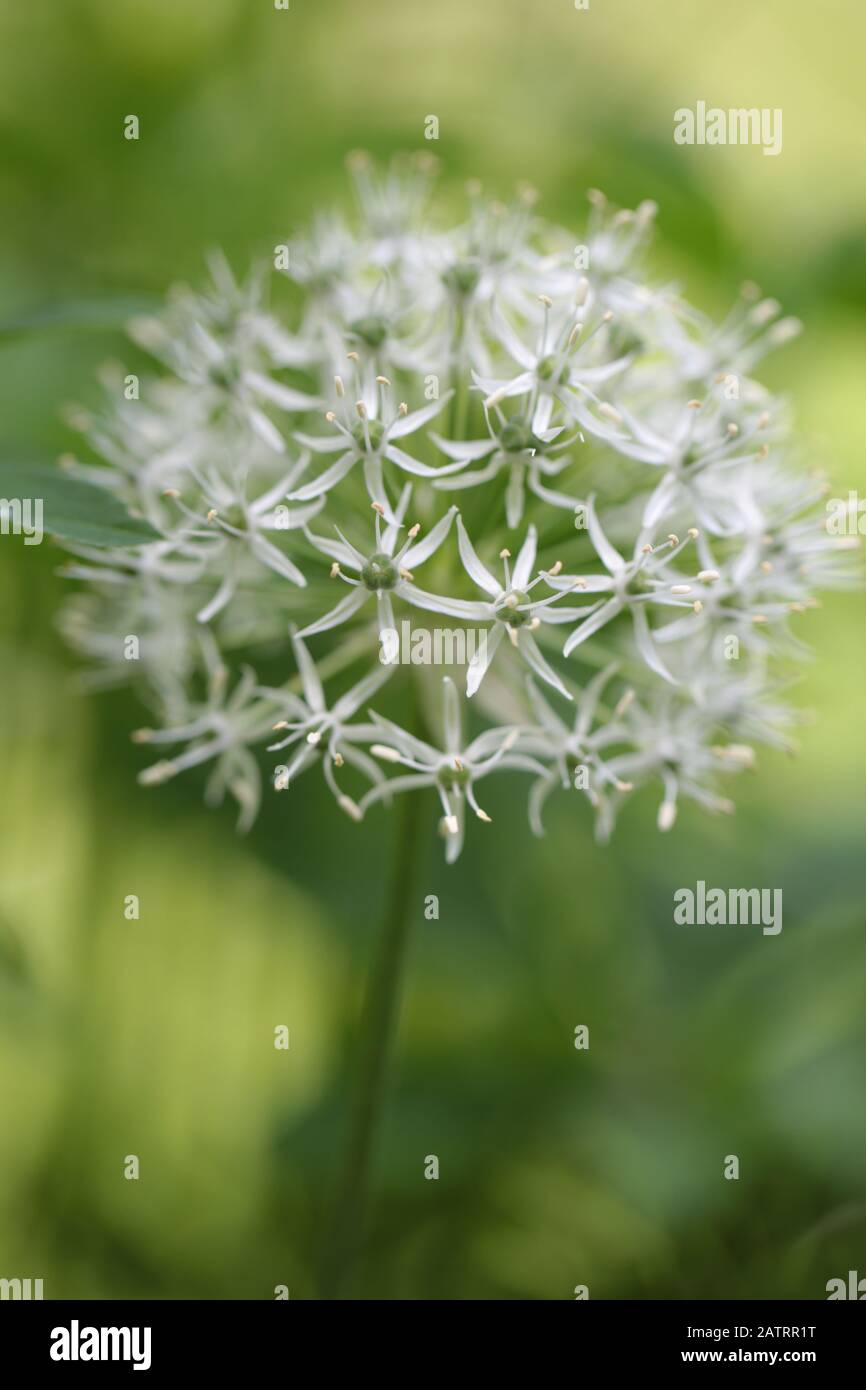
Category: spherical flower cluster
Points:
column 497, row 431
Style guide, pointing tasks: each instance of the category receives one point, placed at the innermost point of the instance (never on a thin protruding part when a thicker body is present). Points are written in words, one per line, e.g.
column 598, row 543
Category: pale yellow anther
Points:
column 623, row 703
column 334, row 570
column 385, row 752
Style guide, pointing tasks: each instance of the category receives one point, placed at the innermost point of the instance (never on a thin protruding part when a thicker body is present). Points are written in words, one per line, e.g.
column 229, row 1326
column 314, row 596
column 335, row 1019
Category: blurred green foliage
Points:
column 154, row 1037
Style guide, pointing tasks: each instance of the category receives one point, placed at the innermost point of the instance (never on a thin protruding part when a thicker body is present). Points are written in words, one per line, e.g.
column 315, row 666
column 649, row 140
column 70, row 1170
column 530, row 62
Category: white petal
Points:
column 473, row 566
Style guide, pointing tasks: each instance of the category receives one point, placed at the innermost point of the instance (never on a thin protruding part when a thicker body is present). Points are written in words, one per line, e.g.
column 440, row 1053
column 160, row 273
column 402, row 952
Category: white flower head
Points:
column 581, row 411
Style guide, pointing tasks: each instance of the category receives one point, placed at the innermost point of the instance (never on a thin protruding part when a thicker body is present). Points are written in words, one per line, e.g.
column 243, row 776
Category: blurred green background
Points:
column 156, row 1037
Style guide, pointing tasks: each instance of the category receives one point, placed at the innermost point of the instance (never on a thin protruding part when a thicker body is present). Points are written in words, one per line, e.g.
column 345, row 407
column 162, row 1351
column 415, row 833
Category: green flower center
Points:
column 516, row 437
column 380, row 572
column 513, row 616
column 452, row 778
column 373, row 430
column 549, row 369
column 462, row 277
column 225, row 374
column 372, row 329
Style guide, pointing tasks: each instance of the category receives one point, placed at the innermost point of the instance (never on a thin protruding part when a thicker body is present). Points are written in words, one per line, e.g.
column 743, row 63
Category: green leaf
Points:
column 74, row 510
column 74, row 314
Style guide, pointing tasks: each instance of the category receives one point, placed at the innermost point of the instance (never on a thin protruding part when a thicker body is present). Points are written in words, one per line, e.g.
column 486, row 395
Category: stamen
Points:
column 385, row 752
column 159, row 772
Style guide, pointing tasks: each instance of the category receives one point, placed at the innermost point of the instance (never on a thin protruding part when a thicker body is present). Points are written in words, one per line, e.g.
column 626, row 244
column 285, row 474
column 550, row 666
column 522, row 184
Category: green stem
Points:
column 377, row 1028
column 460, row 399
